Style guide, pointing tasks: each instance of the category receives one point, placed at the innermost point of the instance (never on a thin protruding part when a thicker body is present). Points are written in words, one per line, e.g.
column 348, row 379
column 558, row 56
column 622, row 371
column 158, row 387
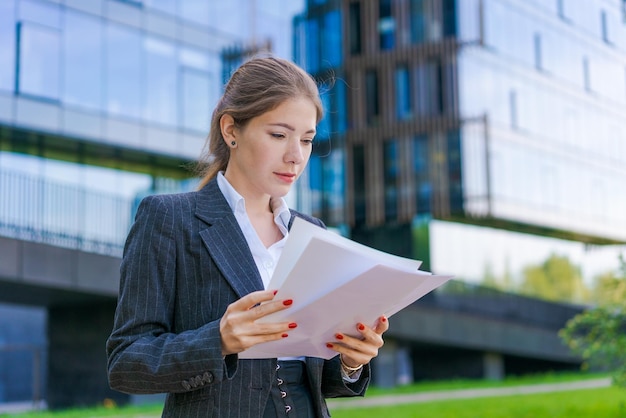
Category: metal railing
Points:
column 39, row 210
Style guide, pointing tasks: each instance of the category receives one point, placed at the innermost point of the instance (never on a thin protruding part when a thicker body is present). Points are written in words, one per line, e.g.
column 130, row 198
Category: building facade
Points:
column 101, row 103
column 503, row 116
column 501, row 113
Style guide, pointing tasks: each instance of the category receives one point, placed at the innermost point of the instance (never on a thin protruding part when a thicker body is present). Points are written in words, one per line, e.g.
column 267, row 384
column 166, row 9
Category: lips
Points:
column 286, row 177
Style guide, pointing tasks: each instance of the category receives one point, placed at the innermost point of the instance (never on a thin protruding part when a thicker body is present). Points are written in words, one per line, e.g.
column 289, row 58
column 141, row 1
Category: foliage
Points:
column 555, row 279
column 599, row 334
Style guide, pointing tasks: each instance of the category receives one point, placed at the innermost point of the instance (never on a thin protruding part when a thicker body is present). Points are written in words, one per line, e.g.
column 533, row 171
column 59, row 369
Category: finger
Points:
column 252, row 299
column 267, row 308
column 382, row 325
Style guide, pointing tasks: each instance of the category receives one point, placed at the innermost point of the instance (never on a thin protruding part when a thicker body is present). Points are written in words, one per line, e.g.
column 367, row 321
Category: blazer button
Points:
column 186, row 385
column 207, row 377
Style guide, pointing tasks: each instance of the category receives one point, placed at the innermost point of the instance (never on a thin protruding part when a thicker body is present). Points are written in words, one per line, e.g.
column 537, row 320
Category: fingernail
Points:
column 361, row 327
column 285, row 335
column 329, row 345
column 383, row 319
column 339, row 336
column 287, row 302
column 293, row 325
column 275, row 291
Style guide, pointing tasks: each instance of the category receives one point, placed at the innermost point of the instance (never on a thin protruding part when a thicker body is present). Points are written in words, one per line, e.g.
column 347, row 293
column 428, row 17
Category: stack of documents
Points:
column 336, row 283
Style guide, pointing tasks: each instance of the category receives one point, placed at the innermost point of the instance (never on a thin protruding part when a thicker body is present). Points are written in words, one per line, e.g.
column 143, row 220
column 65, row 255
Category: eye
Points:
column 278, row 135
column 307, row 141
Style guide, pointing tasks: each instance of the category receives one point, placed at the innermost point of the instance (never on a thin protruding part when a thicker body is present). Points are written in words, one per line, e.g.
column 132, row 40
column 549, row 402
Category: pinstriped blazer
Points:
column 185, row 260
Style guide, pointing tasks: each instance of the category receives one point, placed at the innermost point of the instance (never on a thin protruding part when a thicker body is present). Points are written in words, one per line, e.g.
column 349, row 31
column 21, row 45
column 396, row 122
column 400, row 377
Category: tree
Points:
column 599, row 333
column 555, row 279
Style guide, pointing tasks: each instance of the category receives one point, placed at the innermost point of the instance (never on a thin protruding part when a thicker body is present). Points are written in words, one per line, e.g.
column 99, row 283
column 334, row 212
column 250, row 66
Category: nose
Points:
column 294, row 153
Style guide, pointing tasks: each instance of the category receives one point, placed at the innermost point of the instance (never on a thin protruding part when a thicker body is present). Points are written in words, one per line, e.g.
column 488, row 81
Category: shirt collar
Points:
column 279, row 207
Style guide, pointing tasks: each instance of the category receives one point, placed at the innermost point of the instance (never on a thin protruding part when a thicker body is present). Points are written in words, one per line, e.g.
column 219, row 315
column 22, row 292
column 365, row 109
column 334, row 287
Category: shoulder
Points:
column 308, row 218
column 170, row 203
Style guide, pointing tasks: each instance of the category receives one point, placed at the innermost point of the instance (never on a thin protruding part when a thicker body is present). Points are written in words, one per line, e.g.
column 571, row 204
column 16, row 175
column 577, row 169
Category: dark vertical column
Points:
column 76, row 355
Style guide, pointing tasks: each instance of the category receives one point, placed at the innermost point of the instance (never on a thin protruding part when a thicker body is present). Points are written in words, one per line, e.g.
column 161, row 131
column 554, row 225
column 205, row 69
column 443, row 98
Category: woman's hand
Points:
column 238, row 326
column 357, row 351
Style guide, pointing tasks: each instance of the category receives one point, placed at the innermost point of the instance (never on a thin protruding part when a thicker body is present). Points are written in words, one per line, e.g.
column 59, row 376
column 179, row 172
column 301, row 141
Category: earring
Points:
column 233, row 143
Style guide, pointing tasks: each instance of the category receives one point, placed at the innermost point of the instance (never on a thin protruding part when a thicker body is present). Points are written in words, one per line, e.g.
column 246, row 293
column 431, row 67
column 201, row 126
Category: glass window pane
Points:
column 355, row 28
column 312, row 46
column 331, row 43
column 386, row 25
column 82, row 67
column 358, row 178
column 391, row 169
column 167, row 6
column 7, row 52
column 421, row 169
column 160, row 99
column 195, row 10
column 403, row 94
column 39, row 60
column 123, row 65
column 371, row 96
column 44, row 13
column 196, row 100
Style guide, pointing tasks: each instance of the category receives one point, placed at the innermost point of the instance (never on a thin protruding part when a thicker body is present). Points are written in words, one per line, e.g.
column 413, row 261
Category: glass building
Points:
column 506, row 114
column 101, row 103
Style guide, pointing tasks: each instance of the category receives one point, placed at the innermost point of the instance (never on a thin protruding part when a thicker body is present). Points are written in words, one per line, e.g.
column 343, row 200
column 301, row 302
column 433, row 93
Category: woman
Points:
column 196, row 266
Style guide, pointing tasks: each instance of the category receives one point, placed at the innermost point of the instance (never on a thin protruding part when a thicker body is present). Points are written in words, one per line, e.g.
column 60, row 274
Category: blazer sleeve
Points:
column 144, row 353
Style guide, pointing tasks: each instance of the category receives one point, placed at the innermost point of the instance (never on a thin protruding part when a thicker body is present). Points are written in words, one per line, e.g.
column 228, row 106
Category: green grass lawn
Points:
column 602, row 403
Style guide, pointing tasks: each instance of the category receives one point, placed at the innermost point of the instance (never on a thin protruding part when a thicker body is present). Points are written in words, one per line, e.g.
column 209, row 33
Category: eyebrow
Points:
column 291, row 128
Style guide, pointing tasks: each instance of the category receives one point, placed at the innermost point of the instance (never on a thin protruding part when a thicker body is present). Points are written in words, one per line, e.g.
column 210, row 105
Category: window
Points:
column 195, row 104
column 166, row 6
column 604, row 27
column 312, row 46
column 123, row 71
column 538, row 61
column 386, row 25
column 372, row 107
column 429, row 89
column 39, row 63
column 403, row 94
column 586, row 74
column 355, row 28
column 358, row 178
column 421, row 168
column 449, row 18
column 160, row 80
column 331, row 39
column 7, row 52
column 391, row 168
column 82, row 64
column 513, row 109
column 195, row 10
column 418, row 21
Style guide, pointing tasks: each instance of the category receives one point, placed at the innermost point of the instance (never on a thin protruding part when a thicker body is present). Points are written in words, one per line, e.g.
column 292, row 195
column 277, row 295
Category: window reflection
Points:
column 403, row 93
column 82, row 66
column 391, row 168
column 160, row 81
column 195, row 94
column 123, row 65
column 7, row 52
column 39, row 66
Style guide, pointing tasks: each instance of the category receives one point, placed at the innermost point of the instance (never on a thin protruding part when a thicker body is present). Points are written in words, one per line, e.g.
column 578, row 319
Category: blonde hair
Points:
column 257, row 86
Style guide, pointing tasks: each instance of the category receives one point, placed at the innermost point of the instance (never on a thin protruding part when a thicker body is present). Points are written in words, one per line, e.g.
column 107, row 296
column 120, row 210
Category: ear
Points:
column 228, row 128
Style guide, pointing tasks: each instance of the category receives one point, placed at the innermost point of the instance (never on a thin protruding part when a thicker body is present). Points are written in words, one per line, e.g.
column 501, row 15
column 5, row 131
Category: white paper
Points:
column 336, row 283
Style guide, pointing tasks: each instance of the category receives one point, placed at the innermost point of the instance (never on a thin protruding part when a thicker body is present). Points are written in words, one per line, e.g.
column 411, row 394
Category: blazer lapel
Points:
column 225, row 241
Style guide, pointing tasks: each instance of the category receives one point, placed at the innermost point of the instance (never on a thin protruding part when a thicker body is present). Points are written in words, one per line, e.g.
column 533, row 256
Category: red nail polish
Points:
column 287, row 302
column 329, row 345
column 293, row 325
column 361, row 327
column 285, row 335
column 275, row 291
column 339, row 336
column 383, row 319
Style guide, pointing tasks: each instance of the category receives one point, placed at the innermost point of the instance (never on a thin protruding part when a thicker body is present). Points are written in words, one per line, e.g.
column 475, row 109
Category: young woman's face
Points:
column 272, row 150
